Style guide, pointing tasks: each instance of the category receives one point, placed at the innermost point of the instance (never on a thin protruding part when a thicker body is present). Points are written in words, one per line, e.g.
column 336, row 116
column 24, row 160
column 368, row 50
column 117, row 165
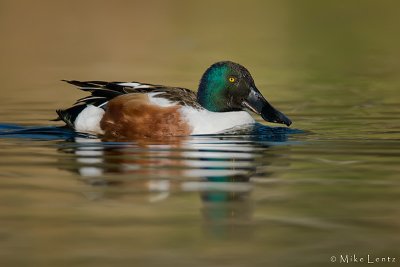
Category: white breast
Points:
column 207, row 122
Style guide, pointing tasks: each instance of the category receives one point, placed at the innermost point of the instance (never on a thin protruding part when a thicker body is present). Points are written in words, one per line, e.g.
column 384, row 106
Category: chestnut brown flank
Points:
column 132, row 116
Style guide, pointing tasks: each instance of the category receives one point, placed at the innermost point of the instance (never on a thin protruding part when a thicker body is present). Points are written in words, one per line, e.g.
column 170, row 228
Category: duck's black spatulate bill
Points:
column 257, row 103
column 269, row 113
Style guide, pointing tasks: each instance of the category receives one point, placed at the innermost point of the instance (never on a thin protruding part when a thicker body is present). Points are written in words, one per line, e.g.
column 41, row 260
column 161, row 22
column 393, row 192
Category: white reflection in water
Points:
column 186, row 159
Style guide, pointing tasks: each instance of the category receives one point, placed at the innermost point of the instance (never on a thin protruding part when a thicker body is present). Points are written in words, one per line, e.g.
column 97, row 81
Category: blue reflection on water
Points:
column 37, row 132
column 256, row 132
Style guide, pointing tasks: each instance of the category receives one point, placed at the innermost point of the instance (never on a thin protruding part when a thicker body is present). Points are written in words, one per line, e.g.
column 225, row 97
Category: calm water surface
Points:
column 327, row 187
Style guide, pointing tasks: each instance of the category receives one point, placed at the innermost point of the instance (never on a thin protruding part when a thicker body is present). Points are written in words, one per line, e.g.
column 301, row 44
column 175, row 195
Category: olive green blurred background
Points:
column 283, row 43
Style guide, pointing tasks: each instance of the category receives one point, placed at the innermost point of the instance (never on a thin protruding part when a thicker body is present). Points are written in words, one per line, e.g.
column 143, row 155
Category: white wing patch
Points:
column 159, row 101
column 135, row 85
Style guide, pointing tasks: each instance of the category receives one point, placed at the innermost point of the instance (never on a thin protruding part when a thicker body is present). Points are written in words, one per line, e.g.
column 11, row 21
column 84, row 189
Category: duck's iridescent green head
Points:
column 228, row 86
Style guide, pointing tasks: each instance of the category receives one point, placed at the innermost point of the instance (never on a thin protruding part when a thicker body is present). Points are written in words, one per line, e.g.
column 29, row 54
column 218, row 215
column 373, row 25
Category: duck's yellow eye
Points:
column 232, row 79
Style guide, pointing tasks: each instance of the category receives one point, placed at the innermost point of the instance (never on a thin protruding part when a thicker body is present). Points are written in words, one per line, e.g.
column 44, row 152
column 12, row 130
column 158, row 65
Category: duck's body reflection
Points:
column 195, row 164
column 219, row 168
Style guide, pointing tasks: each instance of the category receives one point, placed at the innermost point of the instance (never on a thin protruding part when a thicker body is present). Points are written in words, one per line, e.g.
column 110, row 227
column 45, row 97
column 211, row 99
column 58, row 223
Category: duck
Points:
column 131, row 110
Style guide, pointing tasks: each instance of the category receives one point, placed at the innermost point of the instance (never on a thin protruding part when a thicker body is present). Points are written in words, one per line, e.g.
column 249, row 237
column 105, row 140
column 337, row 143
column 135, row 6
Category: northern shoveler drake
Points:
column 130, row 110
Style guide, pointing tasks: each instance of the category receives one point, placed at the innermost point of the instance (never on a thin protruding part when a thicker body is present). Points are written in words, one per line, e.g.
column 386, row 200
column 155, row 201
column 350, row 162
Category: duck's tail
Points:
column 100, row 93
